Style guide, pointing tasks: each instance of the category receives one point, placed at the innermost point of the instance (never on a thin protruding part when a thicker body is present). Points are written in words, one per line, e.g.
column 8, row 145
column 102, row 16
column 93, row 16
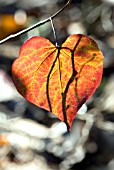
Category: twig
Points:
column 35, row 25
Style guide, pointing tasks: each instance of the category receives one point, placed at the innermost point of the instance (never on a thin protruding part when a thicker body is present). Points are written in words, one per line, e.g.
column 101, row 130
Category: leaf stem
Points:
column 54, row 32
column 35, row 25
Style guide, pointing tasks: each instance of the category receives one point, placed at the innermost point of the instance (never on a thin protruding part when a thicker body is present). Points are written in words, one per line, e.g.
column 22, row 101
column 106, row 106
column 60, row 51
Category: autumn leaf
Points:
column 58, row 79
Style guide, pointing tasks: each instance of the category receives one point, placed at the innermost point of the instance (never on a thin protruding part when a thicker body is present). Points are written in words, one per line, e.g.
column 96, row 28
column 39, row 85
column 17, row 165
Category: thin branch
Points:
column 35, row 25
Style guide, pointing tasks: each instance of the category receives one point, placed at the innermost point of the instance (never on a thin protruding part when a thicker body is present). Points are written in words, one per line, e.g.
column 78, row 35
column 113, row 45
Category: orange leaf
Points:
column 58, row 79
column 3, row 140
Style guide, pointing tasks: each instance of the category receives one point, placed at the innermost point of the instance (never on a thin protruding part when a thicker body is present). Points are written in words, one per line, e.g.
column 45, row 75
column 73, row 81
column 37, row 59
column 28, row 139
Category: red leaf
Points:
column 58, row 79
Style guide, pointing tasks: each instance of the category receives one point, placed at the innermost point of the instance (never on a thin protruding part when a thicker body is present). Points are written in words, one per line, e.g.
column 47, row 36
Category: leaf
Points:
column 58, row 79
column 3, row 139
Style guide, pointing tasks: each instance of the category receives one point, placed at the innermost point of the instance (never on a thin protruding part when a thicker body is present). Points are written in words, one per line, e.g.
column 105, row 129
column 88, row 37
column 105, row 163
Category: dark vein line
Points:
column 35, row 72
column 71, row 79
column 76, row 82
column 92, row 58
column 64, row 107
column 59, row 68
column 47, row 84
column 76, row 94
column 77, row 42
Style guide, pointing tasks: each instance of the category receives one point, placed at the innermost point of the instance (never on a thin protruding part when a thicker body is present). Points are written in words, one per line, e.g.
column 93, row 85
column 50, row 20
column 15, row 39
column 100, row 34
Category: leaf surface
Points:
column 58, row 79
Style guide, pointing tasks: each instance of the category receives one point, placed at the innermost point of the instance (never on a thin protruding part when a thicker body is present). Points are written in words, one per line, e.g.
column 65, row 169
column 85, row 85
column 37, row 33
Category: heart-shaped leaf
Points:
column 58, row 79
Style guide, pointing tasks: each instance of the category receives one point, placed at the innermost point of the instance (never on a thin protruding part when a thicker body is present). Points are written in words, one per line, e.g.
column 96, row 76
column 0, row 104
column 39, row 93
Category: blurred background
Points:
column 32, row 138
